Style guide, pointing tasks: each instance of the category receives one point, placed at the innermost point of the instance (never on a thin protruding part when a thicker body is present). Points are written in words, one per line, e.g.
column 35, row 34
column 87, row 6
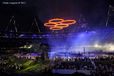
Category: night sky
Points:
column 94, row 12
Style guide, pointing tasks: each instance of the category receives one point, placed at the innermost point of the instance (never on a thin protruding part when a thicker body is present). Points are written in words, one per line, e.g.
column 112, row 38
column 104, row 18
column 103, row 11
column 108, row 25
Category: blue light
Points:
column 34, row 36
column 82, row 35
column 11, row 35
column 21, row 35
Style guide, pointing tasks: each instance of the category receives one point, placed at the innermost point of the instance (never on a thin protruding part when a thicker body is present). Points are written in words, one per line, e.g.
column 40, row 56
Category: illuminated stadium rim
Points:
column 59, row 24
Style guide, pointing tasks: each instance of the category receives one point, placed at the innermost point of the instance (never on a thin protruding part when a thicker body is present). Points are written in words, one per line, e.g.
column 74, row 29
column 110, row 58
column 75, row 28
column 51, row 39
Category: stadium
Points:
column 57, row 38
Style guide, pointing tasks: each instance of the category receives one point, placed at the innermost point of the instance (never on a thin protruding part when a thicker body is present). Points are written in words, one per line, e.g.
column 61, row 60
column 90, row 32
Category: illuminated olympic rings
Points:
column 59, row 24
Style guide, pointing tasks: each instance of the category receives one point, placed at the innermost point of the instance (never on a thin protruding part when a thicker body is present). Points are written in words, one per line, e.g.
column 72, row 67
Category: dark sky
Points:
column 94, row 11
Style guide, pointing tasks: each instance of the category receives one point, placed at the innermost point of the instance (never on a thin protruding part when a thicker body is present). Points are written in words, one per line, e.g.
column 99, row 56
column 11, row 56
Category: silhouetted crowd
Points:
column 98, row 66
column 6, row 66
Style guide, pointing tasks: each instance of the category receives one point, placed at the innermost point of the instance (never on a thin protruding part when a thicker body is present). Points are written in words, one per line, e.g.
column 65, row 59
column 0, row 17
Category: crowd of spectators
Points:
column 97, row 65
column 6, row 66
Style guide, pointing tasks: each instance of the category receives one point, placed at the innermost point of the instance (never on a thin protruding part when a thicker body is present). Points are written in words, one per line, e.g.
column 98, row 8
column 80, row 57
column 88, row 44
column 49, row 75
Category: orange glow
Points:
column 59, row 24
column 56, row 20
column 62, row 25
column 56, row 28
column 50, row 24
column 69, row 22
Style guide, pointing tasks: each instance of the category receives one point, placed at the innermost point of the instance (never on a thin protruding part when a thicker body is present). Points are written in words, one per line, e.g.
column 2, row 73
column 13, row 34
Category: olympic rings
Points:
column 59, row 24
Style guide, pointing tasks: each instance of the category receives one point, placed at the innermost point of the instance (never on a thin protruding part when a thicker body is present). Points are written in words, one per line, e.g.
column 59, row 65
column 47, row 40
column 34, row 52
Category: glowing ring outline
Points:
column 52, row 28
column 73, row 22
column 66, row 25
column 61, row 20
column 46, row 24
